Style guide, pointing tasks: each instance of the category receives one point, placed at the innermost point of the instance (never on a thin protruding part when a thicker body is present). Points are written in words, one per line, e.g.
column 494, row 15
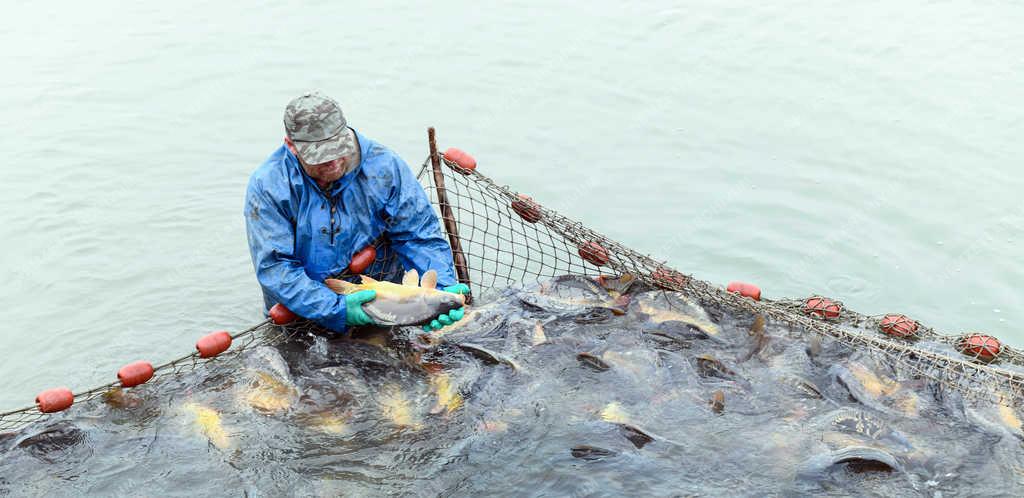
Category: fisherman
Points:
column 323, row 195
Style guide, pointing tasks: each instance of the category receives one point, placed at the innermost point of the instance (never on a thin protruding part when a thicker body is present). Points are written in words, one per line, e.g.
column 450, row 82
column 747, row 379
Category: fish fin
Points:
column 634, row 434
column 760, row 338
column 717, row 401
column 758, row 326
column 411, row 278
column 341, row 286
column 429, row 280
column 368, row 280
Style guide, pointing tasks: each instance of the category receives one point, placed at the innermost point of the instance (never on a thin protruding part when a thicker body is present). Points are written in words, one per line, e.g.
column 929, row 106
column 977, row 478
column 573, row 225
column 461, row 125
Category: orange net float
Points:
column 135, row 373
column 362, row 259
column 465, row 162
column 980, row 346
column 669, row 279
column 526, row 208
column 744, row 289
column 593, row 253
column 280, row 315
column 55, row 400
column 898, row 326
column 213, row 344
column 822, row 307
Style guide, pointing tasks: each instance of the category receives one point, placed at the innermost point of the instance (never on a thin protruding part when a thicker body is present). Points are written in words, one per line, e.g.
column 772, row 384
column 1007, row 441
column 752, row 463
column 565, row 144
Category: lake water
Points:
column 869, row 152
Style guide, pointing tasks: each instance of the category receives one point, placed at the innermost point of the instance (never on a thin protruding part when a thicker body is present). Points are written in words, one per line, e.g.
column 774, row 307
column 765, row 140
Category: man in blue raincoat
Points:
column 325, row 193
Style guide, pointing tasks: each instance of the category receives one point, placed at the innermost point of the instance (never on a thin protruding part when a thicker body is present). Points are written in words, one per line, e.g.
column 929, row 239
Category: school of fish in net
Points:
column 566, row 386
column 581, row 367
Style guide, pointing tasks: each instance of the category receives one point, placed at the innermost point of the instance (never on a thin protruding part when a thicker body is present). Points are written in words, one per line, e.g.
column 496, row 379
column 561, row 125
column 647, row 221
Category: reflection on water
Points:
column 534, row 392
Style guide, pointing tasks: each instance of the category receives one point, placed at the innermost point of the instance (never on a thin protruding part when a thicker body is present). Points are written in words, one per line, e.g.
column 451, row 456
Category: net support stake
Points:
column 461, row 268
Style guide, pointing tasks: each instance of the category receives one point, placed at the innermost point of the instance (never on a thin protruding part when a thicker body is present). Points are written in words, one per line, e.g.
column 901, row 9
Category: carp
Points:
column 448, row 397
column 326, row 422
column 709, row 366
column 572, row 293
column 268, row 386
column 717, row 402
column 593, row 362
column 413, row 302
column 876, row 391
column 857, row 459
column 663, row 306
column 53, row 443
column 269, row 394
column 587, row 452
column 486, row 355
column 397, row 408
column 208, row 422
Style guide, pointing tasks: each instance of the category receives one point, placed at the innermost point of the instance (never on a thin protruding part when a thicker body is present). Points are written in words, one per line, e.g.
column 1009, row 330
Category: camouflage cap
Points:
column 315, row 124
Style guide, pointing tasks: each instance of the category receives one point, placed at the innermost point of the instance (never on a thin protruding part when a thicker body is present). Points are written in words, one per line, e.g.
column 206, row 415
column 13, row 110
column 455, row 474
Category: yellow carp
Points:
column 448, row 397
column 269, row 394
column 207, row 420
column 397, row 408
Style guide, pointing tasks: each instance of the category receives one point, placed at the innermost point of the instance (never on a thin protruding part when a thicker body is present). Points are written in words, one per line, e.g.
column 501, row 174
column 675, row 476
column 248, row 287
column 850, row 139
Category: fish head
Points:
column 446, row 301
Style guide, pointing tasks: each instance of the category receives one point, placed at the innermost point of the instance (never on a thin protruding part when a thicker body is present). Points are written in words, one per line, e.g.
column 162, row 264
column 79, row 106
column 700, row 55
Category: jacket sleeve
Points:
column 271, row 237
column 413, row 228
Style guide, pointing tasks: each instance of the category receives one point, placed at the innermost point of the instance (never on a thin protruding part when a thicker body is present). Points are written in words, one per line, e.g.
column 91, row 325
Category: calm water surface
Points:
column 868, row 152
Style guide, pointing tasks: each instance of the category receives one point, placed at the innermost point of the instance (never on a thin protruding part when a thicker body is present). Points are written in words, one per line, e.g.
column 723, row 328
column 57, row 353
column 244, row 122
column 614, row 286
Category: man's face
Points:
column 323, row 173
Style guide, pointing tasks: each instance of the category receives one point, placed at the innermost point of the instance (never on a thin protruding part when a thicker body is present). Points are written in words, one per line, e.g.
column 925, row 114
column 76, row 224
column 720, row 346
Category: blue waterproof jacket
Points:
column 299, row 235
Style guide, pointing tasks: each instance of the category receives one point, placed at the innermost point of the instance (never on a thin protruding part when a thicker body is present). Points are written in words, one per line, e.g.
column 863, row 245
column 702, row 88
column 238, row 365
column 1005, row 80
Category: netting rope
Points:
column 507, row 238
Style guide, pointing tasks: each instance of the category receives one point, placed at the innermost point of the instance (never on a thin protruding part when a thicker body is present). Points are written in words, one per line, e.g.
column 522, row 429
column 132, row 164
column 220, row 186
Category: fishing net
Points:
column 501, row 237
column 263, row 334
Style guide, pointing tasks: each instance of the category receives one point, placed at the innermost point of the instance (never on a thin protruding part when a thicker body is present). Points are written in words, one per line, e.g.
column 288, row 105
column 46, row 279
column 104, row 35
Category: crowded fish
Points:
column 611, row 384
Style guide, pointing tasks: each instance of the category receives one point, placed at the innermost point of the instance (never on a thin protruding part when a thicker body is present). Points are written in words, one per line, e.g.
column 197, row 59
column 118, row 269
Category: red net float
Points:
column 280, row 315
column 898, row 326
column 460, row 157
column 135, row 373
column 667, row 278
column 362, row 259
column 213, row 344
column 55, row 400
column 980, row 346
column 593, row 253
column 746, row 290
column 526, row 208
column 822, row 307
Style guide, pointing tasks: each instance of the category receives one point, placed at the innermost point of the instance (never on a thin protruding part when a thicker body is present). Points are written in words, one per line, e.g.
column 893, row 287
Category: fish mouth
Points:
column 455, row 302
column 855, row 459
column 864, row 459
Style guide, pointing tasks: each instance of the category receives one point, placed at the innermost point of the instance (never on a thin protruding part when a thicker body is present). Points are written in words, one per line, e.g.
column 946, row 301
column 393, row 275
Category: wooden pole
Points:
column 461, row 268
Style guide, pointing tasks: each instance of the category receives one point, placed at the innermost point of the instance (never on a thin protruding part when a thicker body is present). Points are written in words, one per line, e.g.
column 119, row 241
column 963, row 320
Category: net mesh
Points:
column 507, row 238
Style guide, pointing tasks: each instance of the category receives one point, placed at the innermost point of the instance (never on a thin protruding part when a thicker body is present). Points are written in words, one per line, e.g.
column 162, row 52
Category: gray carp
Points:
column 413, row 302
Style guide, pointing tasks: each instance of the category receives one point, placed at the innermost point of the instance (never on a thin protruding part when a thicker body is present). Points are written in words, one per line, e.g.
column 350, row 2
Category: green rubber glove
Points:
column 453, row 315
column 457, row 289
column 444, row 319
column 354, row 314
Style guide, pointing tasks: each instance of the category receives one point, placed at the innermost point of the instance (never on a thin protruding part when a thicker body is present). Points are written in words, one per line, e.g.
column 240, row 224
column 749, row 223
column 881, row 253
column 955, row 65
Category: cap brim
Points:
column 341, row 145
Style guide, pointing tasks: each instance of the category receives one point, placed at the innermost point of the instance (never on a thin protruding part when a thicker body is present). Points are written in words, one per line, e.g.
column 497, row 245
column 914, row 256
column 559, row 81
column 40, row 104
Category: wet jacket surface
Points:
column 299, row 235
